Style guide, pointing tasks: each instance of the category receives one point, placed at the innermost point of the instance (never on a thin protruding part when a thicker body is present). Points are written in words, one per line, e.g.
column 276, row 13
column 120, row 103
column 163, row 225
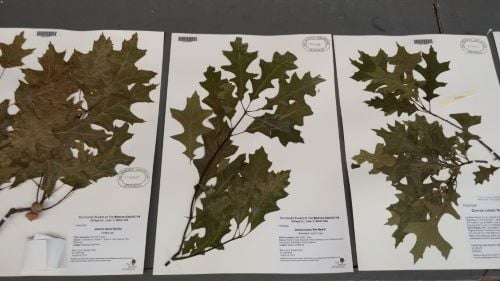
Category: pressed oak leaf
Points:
column 191, row 118
column 272, row 70
column 392, row 79
column 65, row 128
column 427, row 235
column 291, row 108
column 220, row 93
column 430, row 72
column 466, row 121
column 484, row 173
column 240, row 59
column 12, row 54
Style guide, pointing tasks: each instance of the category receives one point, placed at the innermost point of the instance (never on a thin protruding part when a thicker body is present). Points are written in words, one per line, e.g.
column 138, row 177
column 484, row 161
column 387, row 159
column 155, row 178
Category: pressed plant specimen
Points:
column 70, row 119
column 232, row 188
column 419, row 160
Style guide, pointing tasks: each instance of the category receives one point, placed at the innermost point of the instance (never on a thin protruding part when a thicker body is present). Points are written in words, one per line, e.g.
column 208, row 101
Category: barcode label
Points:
column 187, row 38
column 46, row 33
column 422, row 41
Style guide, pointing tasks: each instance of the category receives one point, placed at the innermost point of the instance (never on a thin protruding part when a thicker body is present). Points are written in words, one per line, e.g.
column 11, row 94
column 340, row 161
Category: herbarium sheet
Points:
column 78, row 118
column 420, row 118
column 496, row 37
column 251, row 177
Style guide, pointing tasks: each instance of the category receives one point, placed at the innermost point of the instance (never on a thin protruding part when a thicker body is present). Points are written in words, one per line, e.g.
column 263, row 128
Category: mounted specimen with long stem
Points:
column 235, row 191
column 415, row 154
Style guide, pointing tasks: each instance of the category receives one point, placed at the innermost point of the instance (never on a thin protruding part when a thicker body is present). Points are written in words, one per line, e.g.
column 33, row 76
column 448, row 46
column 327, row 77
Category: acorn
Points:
column 36, row 208
column 31, row 216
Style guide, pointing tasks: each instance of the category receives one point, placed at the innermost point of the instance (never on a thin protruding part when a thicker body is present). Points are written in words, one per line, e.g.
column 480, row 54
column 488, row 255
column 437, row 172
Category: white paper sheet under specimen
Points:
column 471, row 87
column 101, row 229
column 309, row 233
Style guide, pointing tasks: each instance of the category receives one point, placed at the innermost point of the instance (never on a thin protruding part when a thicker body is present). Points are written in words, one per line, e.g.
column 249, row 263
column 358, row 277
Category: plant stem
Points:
column 198, row 191
column 176, row 258
column 11, row 212
column 59, row 202
column 1, row 73
column 422, row 108
column 473, row 161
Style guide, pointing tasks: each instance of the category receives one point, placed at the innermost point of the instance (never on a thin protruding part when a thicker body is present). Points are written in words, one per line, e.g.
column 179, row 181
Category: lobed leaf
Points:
column 484, row 174
column 275, row 69
column 430, row 72
column 191, row 118
column 65, row 129
column 392, row 79
column 240, row 59
column 12, row 54
column 291, row 108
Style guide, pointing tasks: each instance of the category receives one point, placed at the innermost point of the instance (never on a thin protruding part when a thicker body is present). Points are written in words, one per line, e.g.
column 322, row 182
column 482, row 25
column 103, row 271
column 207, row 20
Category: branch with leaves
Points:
column 65, row 131
column 416, row 156
column 242, row 190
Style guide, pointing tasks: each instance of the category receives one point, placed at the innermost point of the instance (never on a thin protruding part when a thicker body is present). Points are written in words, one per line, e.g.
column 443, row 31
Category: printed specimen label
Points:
column 107, row 241
column 307, row 242
column 483, row 226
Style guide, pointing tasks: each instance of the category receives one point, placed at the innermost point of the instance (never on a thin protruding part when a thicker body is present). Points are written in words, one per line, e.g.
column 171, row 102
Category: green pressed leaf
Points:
column 217, row 209
column 277, row 126
column 243, row 192
column 378, row 159
column 266, row 187
column 291, row 108
column 220, row 93
column 390, row 104
column 484, row 174
column 12, row 54
column 403, row 61
column 240, row 59
column 427, row 235
column 65, row 128
column 275, row 69
column 466, row 121
column 294, row 91
column 367, row 64
column 191, row 118
column 403, row 212
column 395, row 89
column 217, row 146
column 392, row 79
column 433, row 68
column 413, row 154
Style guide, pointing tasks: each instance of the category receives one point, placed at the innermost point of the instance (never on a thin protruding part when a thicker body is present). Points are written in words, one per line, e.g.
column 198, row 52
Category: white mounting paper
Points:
column 128, row 193
column 316, row 185
column 472, row 87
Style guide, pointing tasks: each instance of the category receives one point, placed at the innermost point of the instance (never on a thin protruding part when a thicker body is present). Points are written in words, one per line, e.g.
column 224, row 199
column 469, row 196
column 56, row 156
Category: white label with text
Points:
column 107, row 242
column 312, row 243
column 482, row 218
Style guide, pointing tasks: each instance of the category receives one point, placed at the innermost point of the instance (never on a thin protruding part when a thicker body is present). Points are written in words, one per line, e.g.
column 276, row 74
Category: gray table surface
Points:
column 356, row 17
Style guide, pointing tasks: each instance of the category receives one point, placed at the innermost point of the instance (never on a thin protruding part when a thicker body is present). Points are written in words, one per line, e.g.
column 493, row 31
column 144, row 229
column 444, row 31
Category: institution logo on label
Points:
column 473, row 46
column 133, row 177
column 339, row 263
column 131, row 265
column 316, row 44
